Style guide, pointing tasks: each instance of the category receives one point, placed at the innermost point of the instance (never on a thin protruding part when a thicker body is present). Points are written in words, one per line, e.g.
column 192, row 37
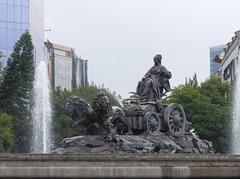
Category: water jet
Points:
column 41, row 113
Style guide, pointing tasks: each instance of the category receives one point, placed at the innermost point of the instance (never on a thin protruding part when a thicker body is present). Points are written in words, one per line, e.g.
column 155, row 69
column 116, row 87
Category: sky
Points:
column 119, row 38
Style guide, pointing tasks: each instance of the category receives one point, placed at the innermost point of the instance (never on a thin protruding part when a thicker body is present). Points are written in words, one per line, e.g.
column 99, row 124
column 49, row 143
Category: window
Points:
column 3, row 38
column 10, row 25
column 18, row 26
column 25, row 2
column 3, row 2
column 3, row 25
column 68, row 53
column 3, row 14
column 18, row 2
column 10, row 40
column 25, row 14
column 10, row 13
column 18, row 14
column 229, row 71
column 11, row 2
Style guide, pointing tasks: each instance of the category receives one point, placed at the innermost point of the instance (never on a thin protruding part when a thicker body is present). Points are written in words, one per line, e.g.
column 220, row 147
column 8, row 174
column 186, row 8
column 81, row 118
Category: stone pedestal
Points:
column 119, row 166
column 149, row 143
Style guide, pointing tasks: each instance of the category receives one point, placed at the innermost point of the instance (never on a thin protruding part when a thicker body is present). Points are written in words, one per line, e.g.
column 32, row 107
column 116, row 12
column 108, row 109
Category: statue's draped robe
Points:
column 154, row 82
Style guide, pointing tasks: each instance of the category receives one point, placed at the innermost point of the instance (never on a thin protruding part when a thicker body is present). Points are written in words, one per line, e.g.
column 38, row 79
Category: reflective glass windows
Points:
column 11, row 2
column 14, row 20
column 3, row 37
column 18, row 14
column 3, row 10
column 3, row 2
column 25, row 14
column 11, row 38
column 10, row 13
column 25, row 2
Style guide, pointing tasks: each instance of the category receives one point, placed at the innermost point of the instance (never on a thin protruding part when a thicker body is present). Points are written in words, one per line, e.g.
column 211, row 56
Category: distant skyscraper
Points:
column 63, row 66
column 83, row 66
column 16, row 17
column 66, row 70
column 214, row 51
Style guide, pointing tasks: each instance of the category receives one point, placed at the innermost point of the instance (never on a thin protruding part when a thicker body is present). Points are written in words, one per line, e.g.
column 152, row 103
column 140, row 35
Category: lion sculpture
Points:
column 99, row 118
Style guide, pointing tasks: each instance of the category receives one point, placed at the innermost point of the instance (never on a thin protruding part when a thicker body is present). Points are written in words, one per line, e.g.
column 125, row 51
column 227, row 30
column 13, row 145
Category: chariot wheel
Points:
column 152, row 121
column 175, row 118
column 120, row 126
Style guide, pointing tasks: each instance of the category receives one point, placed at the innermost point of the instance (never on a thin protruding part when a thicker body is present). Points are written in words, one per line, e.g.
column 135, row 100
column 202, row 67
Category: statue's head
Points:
column 157, row 59
column 101, row 102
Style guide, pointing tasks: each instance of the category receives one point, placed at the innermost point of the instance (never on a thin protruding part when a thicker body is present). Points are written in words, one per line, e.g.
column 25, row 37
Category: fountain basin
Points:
column 119, row 166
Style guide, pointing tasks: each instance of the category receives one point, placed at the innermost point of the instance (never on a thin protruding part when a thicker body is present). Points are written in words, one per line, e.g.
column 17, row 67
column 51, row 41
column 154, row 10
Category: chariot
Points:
column 152, row 116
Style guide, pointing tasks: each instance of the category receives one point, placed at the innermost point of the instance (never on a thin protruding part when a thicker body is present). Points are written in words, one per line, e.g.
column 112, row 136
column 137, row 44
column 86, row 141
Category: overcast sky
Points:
column 120, row 37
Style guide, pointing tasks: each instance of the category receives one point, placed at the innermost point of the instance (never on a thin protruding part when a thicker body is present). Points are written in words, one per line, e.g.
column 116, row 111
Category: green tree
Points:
column 1, row 54
column 16, row 88
column 61, row 121
column 1, row 68
column 192, row 81
column 220, row 95
column 6, row 132
column 208, row 108
column 62, row 124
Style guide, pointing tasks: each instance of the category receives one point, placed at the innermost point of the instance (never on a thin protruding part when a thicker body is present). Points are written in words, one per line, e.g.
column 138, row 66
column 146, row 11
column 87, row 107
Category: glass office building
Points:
column 16, row 17
column 66, row 69
column 83, row 72
column 63, row 72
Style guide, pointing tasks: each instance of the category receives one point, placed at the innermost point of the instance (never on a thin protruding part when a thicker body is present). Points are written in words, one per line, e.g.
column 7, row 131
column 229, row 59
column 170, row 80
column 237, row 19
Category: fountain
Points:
column 41, row 113
column 235, row 147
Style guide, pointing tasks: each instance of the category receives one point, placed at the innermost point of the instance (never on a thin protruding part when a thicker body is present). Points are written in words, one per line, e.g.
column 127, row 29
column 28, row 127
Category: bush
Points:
column 6, row 133
column 208, row 107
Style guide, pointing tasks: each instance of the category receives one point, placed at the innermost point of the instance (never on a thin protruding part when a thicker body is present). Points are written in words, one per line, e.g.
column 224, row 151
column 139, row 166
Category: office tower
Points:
column 66, row 69
column 17, row 17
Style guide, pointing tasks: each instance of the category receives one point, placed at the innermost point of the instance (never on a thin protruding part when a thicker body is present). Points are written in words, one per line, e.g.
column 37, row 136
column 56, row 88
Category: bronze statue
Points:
column 149, row 115
column 145, row 125
column 98, row 118
column 154, row 82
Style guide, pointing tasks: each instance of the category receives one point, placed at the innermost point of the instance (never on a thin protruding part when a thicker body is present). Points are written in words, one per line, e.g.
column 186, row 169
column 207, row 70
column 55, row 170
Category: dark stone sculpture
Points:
column 143, row 126
column 154, row 82
column 158, row 143
column 99, row 118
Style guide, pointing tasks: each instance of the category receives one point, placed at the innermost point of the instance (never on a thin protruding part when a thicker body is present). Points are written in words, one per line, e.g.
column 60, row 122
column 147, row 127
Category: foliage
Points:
column 62, row 124
column 1, row 54
column 133, row 98
column 16, row 88
column 193, row 81
column 6, row 133
column 208, row 108
column 1, row 71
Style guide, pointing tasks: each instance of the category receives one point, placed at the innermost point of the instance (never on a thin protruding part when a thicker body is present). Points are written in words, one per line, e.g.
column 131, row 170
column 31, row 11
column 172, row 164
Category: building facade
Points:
column 215, row 52
column 17, row 17
column 66, row 70
column 83, row 72
column 230, row 60
column 63, row 66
